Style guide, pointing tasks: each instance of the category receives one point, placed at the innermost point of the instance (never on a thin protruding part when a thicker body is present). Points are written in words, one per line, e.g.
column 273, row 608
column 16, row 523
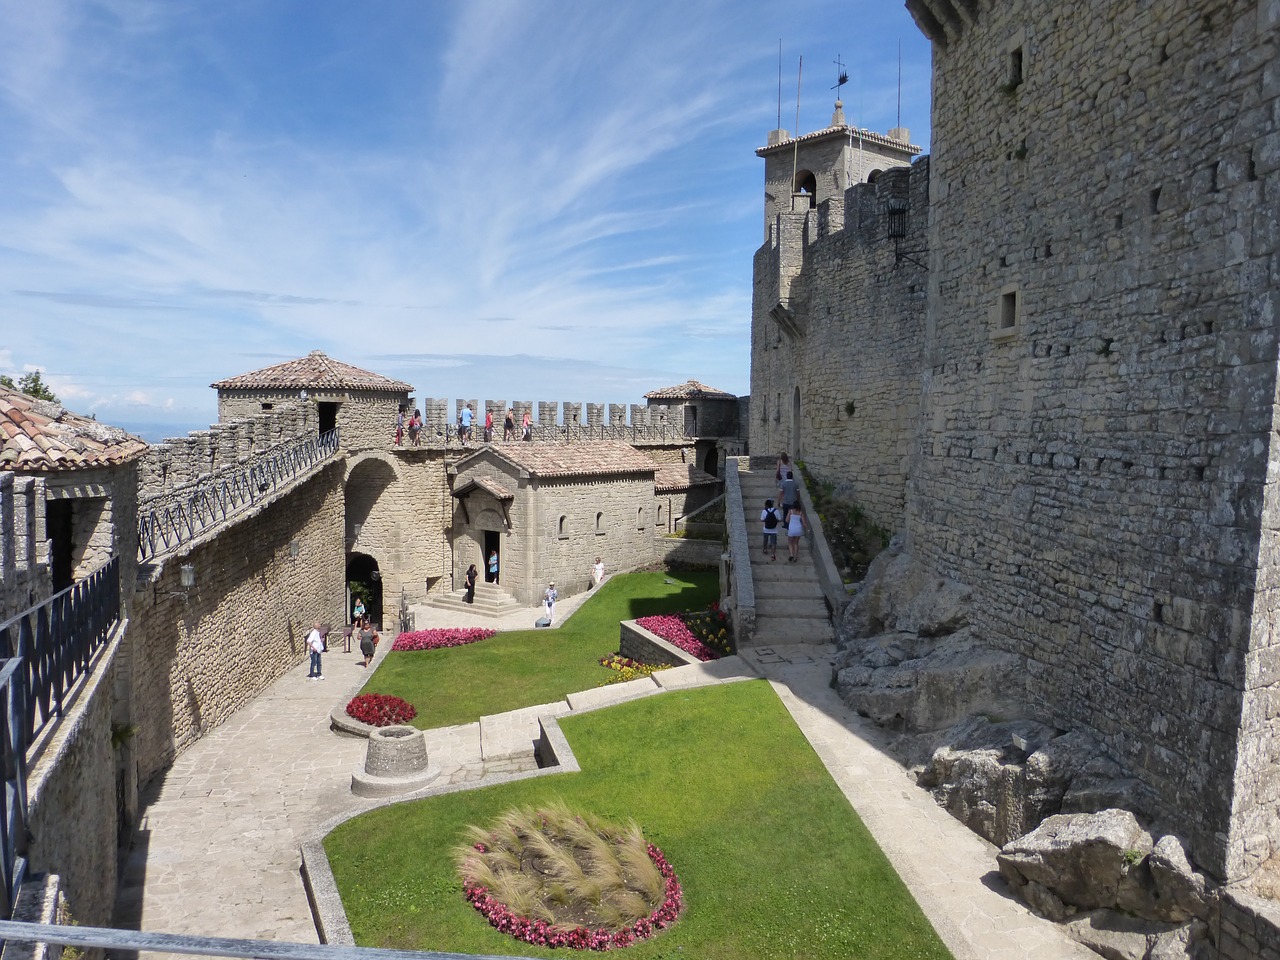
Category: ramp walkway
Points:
column 217, row 849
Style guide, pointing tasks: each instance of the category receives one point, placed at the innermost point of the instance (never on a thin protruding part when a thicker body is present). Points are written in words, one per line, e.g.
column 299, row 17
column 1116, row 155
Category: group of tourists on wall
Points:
column 413, row 423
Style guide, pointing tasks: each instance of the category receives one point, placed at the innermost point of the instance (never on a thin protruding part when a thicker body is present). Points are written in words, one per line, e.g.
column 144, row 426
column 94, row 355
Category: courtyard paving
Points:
column 217, row 850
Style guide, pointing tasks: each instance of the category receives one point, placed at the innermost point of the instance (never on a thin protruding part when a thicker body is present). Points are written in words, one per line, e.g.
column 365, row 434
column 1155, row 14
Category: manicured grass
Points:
column 527, row 667
column 774, row 862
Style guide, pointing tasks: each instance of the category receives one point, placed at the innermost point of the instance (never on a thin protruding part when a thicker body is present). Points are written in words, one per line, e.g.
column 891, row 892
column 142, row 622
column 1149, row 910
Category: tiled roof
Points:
column 491, row 487
column 680, row 476
column 40, row 436
column 594, row 458
column 315, row 371
column 689, row 390
column 844, row 131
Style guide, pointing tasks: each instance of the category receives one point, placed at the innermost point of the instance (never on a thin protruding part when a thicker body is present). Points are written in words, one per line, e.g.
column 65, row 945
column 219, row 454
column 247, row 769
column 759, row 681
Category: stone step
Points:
column 791, row 608
column 791, row 589
column 776, row 631
column 486, row 603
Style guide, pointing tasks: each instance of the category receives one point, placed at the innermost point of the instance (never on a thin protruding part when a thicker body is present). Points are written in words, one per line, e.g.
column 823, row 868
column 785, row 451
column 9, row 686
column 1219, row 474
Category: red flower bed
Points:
column 674, row 630
column 441, row 637
column 380, row 709
column 544, row 934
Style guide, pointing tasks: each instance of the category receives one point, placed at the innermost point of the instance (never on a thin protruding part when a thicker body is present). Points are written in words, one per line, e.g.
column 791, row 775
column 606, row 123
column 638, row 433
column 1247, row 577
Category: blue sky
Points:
column 507, row 200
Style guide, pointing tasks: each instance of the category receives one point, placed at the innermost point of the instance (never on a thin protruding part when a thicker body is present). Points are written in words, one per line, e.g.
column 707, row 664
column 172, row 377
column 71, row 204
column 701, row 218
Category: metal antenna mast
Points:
column 780, row 82
column 795, row 153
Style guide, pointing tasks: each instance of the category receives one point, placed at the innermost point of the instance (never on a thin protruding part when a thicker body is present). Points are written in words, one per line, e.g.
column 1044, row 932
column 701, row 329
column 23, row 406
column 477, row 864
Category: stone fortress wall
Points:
column 438, row 413
column 1099, row 384
column 1085, row 395
column 837, row 331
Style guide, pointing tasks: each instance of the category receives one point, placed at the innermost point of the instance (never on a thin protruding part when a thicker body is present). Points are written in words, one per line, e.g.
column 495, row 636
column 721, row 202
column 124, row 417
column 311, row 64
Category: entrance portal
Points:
column 492, row 545
column 365, row 581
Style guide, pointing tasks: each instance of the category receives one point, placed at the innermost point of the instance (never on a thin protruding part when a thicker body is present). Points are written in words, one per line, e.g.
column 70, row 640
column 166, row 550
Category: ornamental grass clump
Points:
column 441, row 637
column 380, row 709
column 559, row 879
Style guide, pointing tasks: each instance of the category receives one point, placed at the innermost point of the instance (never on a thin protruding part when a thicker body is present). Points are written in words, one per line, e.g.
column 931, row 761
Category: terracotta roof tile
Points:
column 39, row 436
column 689, row 390
column 315, row 371
column 681, row 476
column 489, row 486
column 593, row 458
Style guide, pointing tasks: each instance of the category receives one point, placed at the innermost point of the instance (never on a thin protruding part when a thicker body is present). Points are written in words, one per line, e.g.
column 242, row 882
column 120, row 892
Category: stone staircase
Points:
column 491, row 601
column 790, row 607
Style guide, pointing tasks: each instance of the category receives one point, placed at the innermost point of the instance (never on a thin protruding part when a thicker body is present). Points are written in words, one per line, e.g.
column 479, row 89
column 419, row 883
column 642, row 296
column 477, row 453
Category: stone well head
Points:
column 397, row 751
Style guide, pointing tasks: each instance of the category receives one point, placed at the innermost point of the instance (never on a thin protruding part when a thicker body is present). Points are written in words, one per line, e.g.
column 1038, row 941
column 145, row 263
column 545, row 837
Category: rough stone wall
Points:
column 24, row 577
column 400, row 501
column 659, row 452
column 837, row 384
column 1099, row 381
column 72, row 800
column 198, row 655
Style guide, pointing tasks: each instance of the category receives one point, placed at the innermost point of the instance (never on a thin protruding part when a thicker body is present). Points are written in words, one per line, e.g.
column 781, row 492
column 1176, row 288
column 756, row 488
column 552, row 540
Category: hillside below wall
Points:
column 199, row 655
column 1095, row 471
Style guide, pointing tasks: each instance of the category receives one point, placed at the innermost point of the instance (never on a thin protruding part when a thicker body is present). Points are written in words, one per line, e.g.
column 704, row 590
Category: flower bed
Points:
column 544, row 934
column 704, row 634
column 442, row 637
column 380, row 709
column 625, row 668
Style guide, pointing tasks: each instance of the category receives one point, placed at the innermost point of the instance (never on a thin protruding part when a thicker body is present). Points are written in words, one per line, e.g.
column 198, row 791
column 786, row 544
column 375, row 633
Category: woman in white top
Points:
column 796, row 526
column 597, row 572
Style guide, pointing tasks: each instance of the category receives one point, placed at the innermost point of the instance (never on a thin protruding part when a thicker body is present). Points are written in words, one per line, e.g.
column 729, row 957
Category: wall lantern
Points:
column 187, row 575
column 295, row 548
column 355, row 530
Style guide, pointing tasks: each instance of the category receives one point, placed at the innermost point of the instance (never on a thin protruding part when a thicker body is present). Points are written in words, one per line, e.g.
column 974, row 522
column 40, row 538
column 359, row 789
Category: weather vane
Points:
column 842, row 76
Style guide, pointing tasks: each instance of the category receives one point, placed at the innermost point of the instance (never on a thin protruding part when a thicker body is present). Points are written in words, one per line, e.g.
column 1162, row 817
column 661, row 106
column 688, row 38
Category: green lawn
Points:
column 527, row 667
column 774, row 862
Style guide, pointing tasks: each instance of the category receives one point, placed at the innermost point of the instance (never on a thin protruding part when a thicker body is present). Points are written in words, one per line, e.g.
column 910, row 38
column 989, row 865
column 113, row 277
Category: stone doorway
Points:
column 492, row 545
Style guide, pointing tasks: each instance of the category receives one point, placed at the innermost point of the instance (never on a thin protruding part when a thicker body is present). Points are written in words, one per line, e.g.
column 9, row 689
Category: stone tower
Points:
column 800, row 172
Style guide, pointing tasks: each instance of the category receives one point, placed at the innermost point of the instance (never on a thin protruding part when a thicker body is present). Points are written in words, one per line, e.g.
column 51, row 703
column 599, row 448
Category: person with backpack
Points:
column 769, row 517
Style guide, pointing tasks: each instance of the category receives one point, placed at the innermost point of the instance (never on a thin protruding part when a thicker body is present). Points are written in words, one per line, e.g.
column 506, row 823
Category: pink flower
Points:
column 441, row 637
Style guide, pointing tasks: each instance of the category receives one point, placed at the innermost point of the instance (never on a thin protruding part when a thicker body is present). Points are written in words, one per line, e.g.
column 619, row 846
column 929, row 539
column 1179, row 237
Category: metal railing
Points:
column 170, row 519
column 46, row 649
column 434, row 435
column 133, row 940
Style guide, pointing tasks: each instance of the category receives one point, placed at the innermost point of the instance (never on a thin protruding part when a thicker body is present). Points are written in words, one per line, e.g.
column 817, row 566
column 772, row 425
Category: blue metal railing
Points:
column 46, row 649
column 170, row 519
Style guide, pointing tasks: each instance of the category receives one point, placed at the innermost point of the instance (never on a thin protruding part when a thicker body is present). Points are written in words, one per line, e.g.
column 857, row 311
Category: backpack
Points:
column 770, row 519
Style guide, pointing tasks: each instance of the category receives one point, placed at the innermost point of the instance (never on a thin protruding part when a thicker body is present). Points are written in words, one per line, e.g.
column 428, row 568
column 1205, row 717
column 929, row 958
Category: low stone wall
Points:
column 646, row 646
column 1247, row 927
column 685, row 552
column 72, row 797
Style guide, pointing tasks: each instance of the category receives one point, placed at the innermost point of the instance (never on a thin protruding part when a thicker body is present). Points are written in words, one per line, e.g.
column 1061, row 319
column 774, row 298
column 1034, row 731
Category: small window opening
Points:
column 1009, row 310
column 640, row 518
column 562, row 526
column 1153, row 202
column 1251, row 169
column 1213, row 176
column 268, row 406
column 1015, row 68
column 599, row 523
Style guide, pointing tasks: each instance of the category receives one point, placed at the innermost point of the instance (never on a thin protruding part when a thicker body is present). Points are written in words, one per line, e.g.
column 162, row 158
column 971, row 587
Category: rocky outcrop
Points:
column 908, row 659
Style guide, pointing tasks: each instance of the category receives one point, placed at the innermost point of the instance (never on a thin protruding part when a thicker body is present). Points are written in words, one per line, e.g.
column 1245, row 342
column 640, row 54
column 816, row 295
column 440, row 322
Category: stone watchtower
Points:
column 800, row 172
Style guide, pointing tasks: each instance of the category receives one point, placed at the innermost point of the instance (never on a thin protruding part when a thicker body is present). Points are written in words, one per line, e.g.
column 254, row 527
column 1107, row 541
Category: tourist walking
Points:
column 770, row 518
column 469, row 585
column 509, row 426
column 527, row 426
column 784, row 464
column 788, row 492
column 399, row 426
column 549, row 602
column 796, row 526
column 597, row 572
column 358, row 611
column 415, row 427
column 369, row 638
column 468, row 416
column 488, row 426
column 491, row 574
column 315, row 645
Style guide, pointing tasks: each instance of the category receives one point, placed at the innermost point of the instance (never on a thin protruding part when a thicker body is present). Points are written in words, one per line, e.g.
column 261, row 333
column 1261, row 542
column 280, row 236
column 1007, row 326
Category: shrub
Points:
column 380, row 709
column 441, row 637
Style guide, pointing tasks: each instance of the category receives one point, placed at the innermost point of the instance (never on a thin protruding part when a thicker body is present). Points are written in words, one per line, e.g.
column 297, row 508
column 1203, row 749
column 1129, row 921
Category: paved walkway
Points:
column 217, row 848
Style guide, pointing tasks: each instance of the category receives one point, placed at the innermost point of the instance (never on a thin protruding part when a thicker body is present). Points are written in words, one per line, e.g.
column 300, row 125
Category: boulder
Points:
column 1181, row 891
column 900, row 594
column 1082, row 857
column 1115, row 935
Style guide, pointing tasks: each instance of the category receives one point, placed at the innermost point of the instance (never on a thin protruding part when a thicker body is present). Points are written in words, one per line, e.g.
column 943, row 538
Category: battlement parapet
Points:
column 178, row 461
column 546, row 414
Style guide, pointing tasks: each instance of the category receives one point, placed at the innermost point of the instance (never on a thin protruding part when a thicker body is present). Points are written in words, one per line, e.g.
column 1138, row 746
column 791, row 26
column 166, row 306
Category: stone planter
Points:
column 396, row 762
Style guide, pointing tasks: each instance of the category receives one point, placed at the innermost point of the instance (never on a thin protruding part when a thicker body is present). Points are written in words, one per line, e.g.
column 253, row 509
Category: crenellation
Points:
column 547, row 413
column 595, row 415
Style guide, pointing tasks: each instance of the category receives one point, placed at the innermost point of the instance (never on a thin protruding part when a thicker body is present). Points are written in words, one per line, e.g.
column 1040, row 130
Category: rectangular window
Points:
column 1008, row 310
column 1006, row 314
column 1015, row 67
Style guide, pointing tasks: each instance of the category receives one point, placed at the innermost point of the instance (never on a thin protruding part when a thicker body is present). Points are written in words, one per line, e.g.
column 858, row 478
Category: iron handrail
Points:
column 170, row 519
column 559, row 433
column 130, row 940
column 14, row 832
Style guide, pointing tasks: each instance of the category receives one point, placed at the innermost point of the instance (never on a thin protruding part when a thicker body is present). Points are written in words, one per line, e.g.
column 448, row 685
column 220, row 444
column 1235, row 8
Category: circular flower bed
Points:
column 441, row 637
column 556, row 879
column 380, row 709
